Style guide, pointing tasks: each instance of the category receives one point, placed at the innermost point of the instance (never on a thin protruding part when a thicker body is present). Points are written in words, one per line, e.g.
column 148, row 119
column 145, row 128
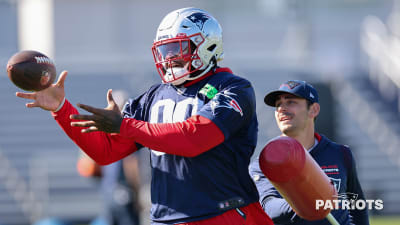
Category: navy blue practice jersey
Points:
column 185, row 189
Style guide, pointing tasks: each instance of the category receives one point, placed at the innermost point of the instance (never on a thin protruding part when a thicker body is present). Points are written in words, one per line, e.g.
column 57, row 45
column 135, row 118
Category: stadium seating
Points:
column 41, row 158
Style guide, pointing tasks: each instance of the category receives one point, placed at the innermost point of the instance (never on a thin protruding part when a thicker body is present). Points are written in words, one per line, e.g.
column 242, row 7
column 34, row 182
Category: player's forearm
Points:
column 189, row 138
column 62, row 118
column 102, row 147
column 279, row 210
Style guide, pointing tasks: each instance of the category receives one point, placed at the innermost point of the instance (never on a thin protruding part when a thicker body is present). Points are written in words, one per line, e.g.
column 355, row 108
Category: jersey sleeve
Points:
column 102, row 147
column 353, row 186
column 231, row 107
column 271, row 201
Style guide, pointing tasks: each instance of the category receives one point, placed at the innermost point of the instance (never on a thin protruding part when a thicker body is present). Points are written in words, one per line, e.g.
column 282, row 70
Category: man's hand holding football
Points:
column 48, row 99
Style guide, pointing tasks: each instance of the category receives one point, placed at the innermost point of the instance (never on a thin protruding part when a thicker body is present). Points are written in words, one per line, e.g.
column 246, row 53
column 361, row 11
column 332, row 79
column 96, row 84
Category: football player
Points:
column 200, row 125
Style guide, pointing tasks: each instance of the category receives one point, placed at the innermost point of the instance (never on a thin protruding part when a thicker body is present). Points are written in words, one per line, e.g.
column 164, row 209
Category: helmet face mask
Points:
column 176, row 58
column 187, row 45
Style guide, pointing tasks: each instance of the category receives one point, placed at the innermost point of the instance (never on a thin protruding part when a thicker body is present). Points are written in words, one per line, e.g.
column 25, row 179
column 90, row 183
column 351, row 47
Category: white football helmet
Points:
column 188, row 45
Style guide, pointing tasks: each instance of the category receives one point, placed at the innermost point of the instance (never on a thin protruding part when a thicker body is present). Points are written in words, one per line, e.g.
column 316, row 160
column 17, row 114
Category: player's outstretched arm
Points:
column 102, row 147
column 48, row 99
column 180, row 138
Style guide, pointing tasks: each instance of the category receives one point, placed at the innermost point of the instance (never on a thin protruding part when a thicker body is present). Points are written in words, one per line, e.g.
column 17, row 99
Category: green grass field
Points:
column 385, row 220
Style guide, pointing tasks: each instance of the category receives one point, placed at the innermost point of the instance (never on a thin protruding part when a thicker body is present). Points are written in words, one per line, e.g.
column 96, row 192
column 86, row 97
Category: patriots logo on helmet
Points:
column 199, row 19
column 224, row 100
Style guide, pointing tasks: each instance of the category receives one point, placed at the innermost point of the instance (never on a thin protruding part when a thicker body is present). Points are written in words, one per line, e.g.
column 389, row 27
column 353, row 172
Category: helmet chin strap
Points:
column 209, row 67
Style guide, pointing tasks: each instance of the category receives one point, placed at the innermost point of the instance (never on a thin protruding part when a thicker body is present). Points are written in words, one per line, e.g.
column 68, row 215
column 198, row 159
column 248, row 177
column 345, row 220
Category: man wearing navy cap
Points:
column 296, row 108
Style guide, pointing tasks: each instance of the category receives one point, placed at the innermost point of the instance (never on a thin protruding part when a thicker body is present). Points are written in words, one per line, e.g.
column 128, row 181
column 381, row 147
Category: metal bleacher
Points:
column 373, row 132
column 38, row 176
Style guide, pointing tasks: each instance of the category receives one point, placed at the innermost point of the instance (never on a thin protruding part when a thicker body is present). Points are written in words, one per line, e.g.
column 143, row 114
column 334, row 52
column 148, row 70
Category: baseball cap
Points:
column 295, row 87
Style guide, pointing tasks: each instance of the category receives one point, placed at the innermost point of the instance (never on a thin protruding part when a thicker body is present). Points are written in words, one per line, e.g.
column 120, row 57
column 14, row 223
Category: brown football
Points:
column 31, row 70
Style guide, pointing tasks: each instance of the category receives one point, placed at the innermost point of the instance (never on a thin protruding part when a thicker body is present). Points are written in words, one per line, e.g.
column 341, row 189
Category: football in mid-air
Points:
column 31, row 70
